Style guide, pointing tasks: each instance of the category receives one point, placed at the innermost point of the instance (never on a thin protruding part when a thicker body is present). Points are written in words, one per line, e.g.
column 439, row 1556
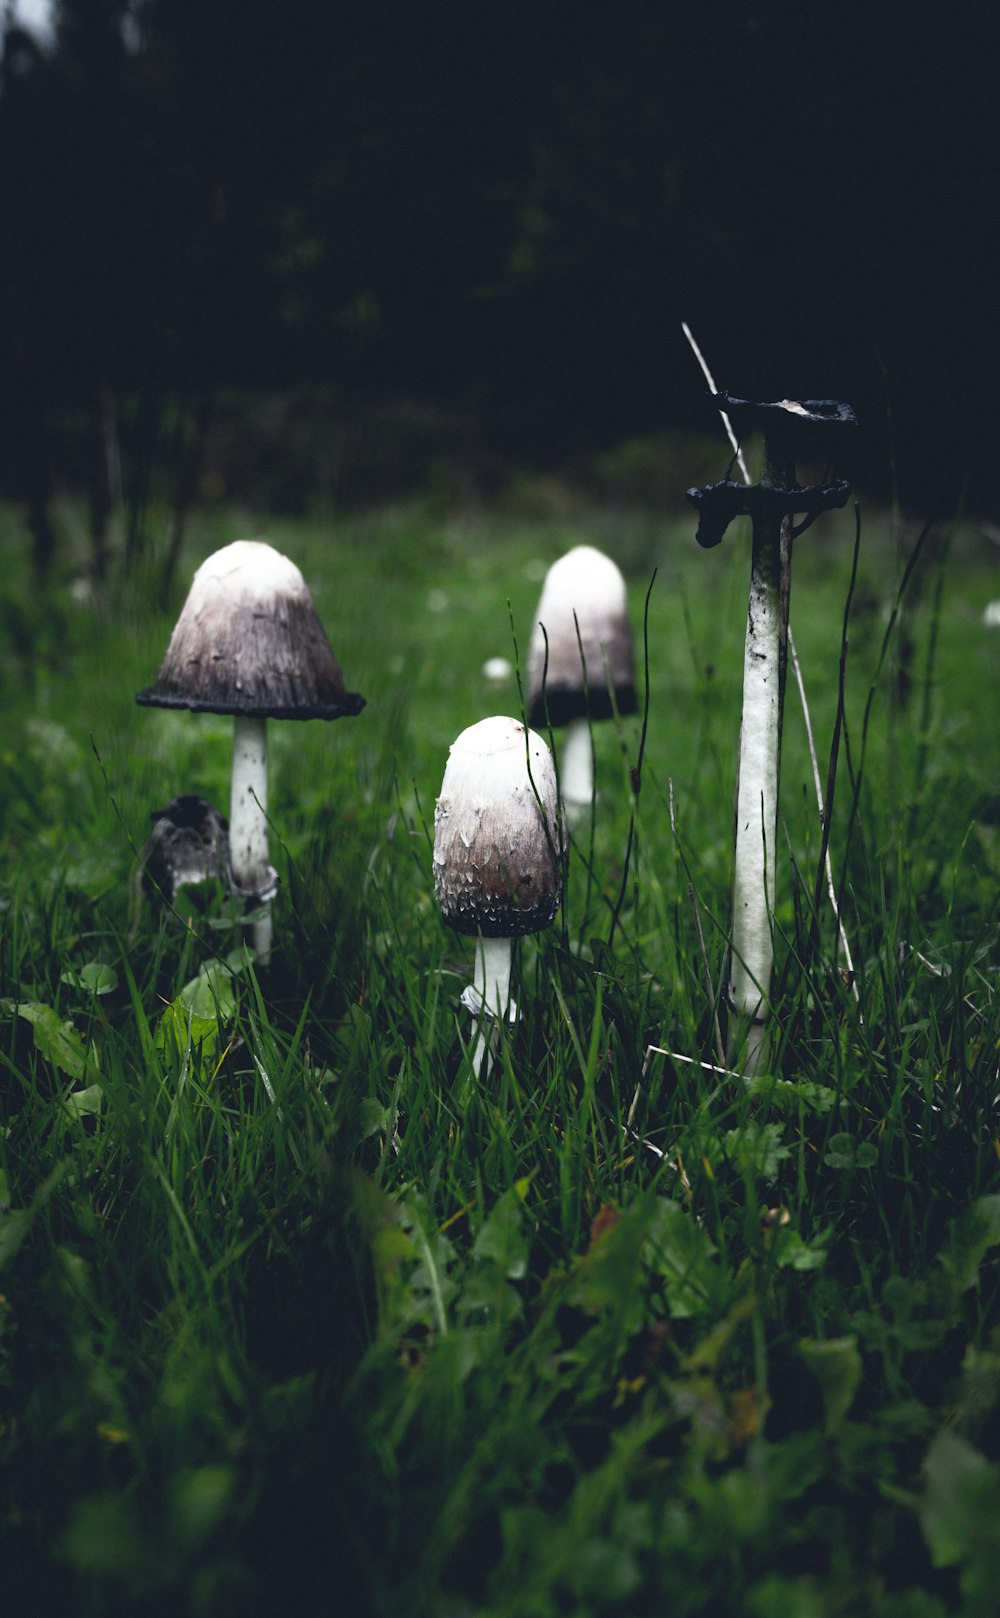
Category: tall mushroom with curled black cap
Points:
column 819, row 429
column 498, row 846
column 581, row 664
column 249, row 643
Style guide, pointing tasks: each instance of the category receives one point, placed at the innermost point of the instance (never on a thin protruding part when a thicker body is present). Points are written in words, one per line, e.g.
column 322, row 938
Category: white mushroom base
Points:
column 576, row 769
column 488, row 998
column 248, row 849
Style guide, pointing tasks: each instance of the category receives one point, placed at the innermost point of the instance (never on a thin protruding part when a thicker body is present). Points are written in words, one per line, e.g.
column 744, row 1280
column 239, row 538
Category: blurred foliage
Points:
column 502, row 216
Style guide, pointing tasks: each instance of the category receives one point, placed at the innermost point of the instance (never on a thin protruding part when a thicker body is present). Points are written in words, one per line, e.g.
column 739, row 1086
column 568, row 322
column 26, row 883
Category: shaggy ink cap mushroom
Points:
column 498, row 842
column 583, row 607
column 580, row 666
column 498, row 846
column 249, row 641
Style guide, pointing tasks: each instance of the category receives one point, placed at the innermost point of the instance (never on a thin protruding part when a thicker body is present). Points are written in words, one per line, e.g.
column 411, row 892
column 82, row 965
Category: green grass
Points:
column 297, row 1316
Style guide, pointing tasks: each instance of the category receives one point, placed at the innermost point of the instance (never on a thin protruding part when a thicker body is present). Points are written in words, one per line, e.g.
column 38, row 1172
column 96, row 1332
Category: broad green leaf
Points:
column 790, row 1597
column 15, row 1223
column 608, row 1278
column 791, row 1097
column 199, row 1499
column 179, row 1025
column 95, row 977
column 371, row 1119
column 487, row 1296
column 682, row 1253
column 844, row 1152
column 56, row 1040
column 969, row 1239
column 792, row 1252
column 86, row 1102
column 706, row 1354
column 836, row 1365
column 757, row 1150
column 961, row 1498
column 502, row 1239
column 14, row 1226
column 210, row 995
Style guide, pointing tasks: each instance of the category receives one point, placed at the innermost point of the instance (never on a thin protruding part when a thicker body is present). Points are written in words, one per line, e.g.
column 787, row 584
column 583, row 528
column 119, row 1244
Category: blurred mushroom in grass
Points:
column 498, row 853
column 581, row 664
column 249, row 643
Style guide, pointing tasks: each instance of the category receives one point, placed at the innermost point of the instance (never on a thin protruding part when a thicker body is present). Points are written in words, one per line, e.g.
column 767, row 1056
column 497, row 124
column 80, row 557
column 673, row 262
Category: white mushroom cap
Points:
column 587, row 584
column 249, row 641
column 498, row 846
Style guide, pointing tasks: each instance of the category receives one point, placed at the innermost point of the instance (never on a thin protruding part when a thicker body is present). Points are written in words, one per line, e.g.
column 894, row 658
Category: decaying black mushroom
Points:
column 819, row 429
column 189, row 843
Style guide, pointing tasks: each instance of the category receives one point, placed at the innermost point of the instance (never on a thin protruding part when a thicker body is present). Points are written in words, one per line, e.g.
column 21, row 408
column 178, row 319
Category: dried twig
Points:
column 818, row 784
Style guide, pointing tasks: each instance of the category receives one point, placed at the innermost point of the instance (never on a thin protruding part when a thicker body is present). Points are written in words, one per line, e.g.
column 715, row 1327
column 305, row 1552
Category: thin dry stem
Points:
column 817, row 782
column 693, row 896
column 709, row 378
column 709, row 985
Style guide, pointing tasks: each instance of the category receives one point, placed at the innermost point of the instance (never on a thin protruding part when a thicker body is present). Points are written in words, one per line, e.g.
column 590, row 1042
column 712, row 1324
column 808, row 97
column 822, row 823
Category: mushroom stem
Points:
column 764, row 658
column 576, row 772
column 491, row 1002
column 248, row 850
column 492, row 973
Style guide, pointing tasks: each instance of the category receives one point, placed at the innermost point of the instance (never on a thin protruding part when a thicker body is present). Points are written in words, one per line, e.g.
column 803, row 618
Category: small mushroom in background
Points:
column 497, row 670
column 249, row 643
column 586, row 670
column 189, row 843
column 498, row 846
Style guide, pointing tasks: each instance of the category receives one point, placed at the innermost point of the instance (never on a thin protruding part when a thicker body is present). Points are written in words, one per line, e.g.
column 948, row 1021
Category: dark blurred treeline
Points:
column 501, row 211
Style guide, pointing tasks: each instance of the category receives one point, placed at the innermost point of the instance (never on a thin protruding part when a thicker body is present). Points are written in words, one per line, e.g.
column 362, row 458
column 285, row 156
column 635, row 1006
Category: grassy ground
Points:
column 295, row 1315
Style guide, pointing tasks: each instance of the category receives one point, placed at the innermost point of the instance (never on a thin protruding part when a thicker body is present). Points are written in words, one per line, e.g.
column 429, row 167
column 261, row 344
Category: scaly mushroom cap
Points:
column 586, row 583
column 497, row 848
column 249, row 641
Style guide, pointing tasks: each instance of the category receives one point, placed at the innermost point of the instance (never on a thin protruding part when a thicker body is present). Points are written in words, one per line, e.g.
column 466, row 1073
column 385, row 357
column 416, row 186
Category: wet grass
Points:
column 295, row 1312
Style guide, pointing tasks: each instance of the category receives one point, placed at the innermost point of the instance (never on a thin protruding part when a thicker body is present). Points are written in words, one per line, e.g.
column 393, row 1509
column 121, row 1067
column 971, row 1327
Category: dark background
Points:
column 501, row 213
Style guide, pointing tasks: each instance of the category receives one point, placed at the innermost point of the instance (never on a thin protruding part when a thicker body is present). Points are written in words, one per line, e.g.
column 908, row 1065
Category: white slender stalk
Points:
column 248, row 850
column 492, row 973
column 576, row 768
column 757, row 797
column 491, row 1000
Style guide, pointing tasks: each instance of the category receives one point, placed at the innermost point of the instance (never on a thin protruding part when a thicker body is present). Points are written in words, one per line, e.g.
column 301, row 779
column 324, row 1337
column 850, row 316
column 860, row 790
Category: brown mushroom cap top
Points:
column 498, row 846
column 249, row 641
column 583, row 591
